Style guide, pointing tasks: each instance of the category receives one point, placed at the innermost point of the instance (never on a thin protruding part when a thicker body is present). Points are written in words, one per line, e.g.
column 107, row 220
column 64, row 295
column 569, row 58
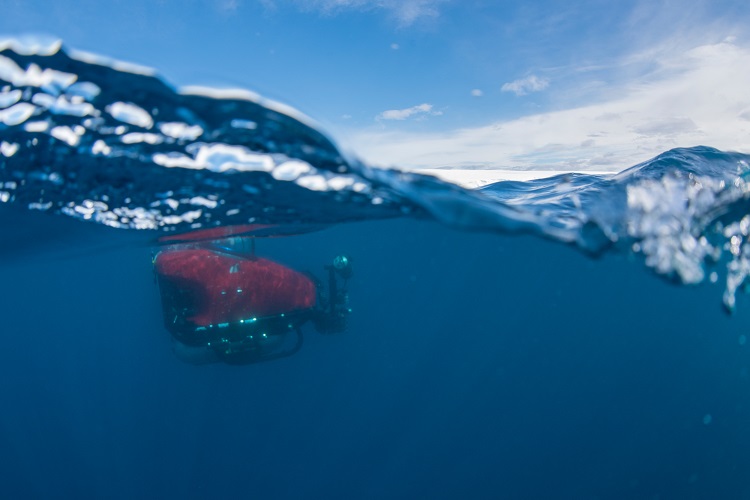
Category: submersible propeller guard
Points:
column 333, row 319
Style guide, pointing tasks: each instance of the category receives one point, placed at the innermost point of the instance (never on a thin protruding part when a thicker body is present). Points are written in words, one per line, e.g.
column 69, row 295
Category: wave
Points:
column 110, row 143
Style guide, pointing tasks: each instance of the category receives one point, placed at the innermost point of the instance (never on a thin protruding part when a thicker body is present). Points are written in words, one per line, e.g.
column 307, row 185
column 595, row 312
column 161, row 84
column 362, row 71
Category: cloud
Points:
column 668, row 126
column 697, row 96
column 526, row 85
column 406, row 12
column 228, row 8
column 403, row 114
column 477, row 93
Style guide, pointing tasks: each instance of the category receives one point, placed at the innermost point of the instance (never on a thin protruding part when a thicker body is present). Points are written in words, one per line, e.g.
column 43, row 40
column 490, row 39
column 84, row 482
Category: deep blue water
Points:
column 563, row 338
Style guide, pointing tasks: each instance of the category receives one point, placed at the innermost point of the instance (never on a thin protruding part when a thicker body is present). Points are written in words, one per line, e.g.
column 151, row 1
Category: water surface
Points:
column 568, row 338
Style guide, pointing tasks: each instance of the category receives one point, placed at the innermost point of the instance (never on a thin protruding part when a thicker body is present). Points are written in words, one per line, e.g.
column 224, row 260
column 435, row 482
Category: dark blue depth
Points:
column 475, row 366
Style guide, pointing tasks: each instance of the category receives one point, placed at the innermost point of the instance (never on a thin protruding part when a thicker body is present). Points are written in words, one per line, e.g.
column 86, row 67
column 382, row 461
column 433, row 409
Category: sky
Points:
column 581, row 85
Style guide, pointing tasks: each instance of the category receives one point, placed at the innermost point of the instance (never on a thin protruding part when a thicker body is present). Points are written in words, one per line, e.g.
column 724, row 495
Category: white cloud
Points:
column 477, row 93
column 403, row 114
column 698, row 96
column 406, row 12
column 526, row 85
column 227, row 5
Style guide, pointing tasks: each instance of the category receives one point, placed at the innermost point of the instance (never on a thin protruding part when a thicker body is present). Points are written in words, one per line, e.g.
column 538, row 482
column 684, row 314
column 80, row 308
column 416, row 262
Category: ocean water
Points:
column 575, row 337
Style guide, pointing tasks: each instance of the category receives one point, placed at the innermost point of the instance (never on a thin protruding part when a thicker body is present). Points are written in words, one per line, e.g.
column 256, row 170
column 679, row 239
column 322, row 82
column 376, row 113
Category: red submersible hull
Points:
column 234, row 309
column 210, row 288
